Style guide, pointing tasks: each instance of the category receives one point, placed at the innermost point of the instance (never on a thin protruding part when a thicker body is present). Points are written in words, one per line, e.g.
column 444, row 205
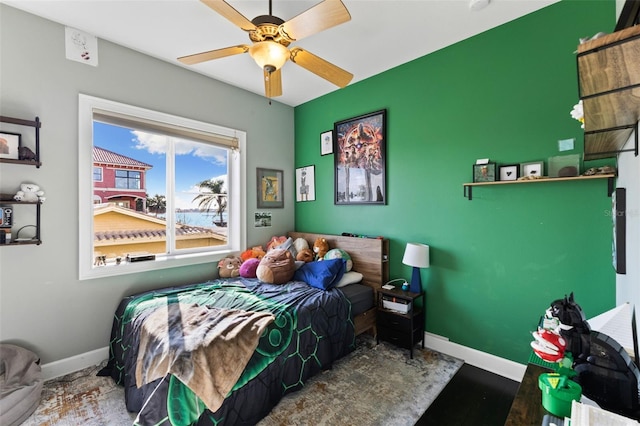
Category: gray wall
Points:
column 43, row 305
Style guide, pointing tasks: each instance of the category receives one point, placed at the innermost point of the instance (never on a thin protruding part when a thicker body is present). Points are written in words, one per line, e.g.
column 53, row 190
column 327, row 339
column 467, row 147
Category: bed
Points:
column 282, row 336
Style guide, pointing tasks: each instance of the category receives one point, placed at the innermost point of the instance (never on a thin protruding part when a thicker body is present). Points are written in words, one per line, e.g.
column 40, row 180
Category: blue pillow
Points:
column 323, row 274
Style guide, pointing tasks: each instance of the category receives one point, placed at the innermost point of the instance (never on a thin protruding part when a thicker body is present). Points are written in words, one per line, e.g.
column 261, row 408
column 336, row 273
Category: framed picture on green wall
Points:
column 326, row 142
column 484, row 172
column 359, row 149
column 306, row 183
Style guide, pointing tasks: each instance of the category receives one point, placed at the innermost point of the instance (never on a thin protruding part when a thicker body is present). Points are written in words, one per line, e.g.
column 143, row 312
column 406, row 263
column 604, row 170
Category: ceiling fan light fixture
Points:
column 269, row 54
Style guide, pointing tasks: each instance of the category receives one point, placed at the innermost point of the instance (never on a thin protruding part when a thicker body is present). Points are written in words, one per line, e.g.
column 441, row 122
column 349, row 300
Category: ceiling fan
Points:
column 271, row 37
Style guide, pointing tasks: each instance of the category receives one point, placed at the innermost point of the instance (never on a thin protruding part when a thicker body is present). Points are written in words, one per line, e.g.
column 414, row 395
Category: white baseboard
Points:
column 74, row 363
column 504, row 367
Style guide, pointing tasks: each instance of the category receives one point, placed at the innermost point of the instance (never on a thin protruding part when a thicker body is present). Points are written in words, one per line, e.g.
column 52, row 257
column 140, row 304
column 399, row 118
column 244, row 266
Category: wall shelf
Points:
column 468, row 187
column 36, row 124
column 7, row 199
column 609, row 87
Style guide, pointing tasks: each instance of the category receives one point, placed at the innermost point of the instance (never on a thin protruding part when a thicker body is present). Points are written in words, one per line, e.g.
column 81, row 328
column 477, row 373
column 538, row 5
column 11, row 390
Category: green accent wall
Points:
column 499, row 260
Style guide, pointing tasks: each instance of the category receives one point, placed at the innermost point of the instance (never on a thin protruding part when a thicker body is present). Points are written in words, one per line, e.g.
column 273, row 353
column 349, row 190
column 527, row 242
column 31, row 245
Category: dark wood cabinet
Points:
column 399, row 318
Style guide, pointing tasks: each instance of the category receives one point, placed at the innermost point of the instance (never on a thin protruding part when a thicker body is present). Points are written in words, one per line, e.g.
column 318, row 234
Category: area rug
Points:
column 374, row 385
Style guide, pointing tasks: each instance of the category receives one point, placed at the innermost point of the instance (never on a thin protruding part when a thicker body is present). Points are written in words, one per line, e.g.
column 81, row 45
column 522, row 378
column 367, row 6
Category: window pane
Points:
column 200, row 201
column 134, row 165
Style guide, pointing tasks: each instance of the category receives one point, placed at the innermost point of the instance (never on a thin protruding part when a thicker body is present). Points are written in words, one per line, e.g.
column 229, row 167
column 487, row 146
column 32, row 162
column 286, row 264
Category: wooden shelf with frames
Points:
column 468, row 187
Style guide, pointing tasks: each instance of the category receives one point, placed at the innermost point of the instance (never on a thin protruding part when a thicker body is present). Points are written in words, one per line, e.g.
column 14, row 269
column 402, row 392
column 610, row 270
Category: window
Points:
column 164, row 188
column 128, row 180
column 97, row 174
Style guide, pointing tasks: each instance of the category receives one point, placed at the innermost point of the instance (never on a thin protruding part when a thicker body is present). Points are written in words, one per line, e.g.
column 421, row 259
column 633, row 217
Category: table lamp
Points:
column 417, row 256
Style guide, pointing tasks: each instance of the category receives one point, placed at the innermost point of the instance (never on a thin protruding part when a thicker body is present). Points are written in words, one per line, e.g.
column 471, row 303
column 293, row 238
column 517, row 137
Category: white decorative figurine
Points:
column 29, row 192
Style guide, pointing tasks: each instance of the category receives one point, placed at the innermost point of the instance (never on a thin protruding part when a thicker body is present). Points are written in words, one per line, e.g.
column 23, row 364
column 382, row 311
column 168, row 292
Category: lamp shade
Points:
column 416, row 255
column 269, row 54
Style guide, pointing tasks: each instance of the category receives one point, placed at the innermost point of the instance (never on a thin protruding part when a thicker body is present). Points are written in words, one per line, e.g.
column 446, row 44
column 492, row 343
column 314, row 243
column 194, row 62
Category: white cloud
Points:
column 156, row 144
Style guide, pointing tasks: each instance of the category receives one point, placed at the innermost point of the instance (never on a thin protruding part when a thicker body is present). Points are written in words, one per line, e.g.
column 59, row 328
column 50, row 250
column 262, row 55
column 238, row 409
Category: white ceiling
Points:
column 381, row 35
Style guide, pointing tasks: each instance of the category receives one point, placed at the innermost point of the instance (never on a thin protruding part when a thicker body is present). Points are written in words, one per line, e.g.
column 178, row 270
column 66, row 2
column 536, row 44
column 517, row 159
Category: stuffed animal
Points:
column 253, row 253
column 276, row 267
column 29, row 192
column 300, row 244
column 305, row 255
column 275, row 242
column 25, row 153
column 337, row 253
column 320, row 248
column 249, row 268
column 229, row 267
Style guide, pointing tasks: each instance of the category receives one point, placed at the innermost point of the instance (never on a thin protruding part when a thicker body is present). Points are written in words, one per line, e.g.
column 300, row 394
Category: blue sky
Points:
column 195, row 162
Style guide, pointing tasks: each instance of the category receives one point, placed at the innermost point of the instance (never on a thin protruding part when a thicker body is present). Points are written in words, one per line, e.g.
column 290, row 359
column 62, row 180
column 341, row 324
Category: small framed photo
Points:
column 326, row 142
column 484, row 172
column 510, row 172
column 305, row 183
column 262, row 219
column 533, row 169
column 10, row 144
column 269, row 188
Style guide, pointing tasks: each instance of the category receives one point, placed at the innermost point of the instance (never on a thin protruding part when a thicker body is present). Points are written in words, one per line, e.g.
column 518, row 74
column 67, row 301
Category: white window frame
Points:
column 87, row 105
column 101, row 173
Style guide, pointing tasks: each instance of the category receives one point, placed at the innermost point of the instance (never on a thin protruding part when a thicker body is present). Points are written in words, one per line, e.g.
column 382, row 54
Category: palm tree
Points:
column 213, row 194
column 157, row 204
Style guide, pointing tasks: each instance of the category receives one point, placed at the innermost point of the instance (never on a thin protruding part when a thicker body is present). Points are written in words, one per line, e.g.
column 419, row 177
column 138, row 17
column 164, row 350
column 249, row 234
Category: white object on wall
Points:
column 81, row 46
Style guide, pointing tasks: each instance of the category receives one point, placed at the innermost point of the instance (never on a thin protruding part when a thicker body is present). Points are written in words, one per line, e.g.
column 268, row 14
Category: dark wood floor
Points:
column 473, row 397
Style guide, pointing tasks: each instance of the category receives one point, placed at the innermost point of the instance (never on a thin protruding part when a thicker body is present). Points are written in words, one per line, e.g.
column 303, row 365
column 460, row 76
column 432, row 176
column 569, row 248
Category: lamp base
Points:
column 416, row 282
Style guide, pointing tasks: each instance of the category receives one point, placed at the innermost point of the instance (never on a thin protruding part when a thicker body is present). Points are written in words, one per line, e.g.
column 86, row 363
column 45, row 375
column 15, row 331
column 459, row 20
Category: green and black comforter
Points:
column 312, row 329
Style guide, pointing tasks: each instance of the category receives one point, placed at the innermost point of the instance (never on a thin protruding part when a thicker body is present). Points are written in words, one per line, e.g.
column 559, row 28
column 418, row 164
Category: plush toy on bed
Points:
column 276, row 267
column 249, row 268
column 229, row 267
column 29, row 192
column 256, row 252
column 305, row 255
column 337, row 253
column 274, row 242
column 320, row 248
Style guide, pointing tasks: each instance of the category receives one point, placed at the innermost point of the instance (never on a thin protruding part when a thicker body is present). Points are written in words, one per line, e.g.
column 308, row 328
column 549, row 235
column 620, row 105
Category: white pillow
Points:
column 350, row 277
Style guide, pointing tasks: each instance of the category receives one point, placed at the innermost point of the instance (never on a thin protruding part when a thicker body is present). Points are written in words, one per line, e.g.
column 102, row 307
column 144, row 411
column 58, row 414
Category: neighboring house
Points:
column 120, row 231
column 119, row 179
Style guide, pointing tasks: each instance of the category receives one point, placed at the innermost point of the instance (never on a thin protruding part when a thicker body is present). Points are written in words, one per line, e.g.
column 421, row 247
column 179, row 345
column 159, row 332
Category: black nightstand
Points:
column 396, row 326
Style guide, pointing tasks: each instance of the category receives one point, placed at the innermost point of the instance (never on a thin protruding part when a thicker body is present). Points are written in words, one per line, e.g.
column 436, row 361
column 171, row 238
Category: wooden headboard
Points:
column 370, row 256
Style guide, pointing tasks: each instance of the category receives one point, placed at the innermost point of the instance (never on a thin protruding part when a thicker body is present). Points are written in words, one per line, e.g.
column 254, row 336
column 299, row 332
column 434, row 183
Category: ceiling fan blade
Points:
column 273, row 84
column 213, row 54
column 320, row 67
column 318, row 18
column 227, row 11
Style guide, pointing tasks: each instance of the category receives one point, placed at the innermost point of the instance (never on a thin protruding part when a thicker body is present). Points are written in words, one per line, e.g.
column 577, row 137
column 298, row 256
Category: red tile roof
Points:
column 101, row 155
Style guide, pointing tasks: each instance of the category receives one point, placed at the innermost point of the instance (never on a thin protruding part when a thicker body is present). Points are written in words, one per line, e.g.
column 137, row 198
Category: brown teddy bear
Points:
column 276, row 267
column 320, row 248
column 229, row 267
